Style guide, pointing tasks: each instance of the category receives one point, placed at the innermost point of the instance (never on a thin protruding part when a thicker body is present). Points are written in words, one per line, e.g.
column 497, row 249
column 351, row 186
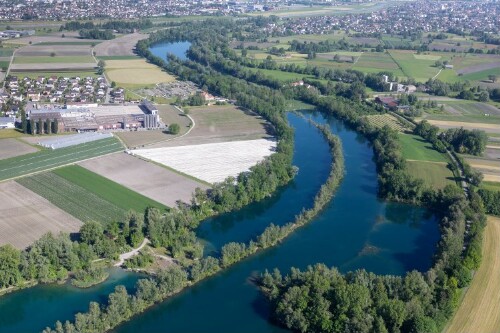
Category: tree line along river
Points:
column 356, row 230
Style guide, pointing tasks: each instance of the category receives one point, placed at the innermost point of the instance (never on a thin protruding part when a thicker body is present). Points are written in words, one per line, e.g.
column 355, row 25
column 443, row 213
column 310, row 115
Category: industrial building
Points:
column 101, row 118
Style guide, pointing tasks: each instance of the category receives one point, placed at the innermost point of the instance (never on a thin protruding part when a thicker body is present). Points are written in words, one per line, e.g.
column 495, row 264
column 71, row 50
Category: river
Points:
column 356, row 230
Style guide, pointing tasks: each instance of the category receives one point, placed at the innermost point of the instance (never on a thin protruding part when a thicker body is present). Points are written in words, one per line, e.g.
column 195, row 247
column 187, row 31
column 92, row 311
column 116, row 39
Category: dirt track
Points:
column 479, row 310
column 26, row 216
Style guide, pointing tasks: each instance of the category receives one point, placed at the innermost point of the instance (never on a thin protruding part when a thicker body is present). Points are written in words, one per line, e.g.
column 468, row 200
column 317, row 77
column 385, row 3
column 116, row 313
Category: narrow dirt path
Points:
column 480, row 308
column 132, row 253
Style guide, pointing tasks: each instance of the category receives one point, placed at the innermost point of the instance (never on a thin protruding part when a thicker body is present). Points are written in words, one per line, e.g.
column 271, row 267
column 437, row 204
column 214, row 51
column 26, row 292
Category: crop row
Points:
column 72, row 198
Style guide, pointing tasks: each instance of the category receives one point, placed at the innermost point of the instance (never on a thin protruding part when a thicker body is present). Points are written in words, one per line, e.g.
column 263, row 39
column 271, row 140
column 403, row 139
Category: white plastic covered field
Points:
column 211, row 162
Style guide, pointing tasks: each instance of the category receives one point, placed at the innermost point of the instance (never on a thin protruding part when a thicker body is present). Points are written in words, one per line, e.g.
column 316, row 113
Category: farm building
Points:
column 149, row 107
column 387, row 102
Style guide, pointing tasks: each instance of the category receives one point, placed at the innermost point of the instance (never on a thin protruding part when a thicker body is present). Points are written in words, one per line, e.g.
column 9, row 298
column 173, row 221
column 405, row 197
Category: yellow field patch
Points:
column 136, row 72
column 427, row 57
column 132, row 63
column 491, row 178
column 478, row 311
column 458, row 124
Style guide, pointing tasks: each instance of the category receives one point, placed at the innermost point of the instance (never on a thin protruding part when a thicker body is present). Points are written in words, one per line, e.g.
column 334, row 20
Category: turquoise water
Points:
column 162, row 49
column 33, row 309
column 356, row 230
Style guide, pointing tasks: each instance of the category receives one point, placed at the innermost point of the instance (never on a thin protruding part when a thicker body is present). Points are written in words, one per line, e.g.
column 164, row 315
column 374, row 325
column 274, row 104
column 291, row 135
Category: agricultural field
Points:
column 51, row 60
column 12, row 148
column 136, row 73
column 212, row 162
column 9, row 133
column 374, row 62
column 71, row 198
column 478, row 311
column 150, row 180
column 50, row 159
column 489, row 167
column 106, row 189
column 466, row 111
column 492, row 186
column 433, row 174
column 382, row 120
column 59, row 69
column 417, row 149
column 61, row 50
column 75, row 73
column 488, row 128
column 25, row 216
column 417, row 66
column 120, row 46
column 221, row 123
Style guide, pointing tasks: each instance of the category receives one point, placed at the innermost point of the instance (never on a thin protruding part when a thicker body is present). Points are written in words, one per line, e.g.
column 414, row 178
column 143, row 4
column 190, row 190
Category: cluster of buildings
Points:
column 408, row 17
column 8, row 34
column 93, row 117
column 122, row 9
column 55, row 89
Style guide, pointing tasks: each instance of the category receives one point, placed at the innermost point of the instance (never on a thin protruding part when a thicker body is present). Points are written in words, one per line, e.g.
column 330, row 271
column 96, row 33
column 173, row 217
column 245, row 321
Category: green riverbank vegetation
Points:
column 364, row 302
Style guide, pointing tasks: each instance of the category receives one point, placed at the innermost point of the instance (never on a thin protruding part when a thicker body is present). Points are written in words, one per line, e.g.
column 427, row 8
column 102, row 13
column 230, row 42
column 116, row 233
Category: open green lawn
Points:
column 106, row 189
column 433, row 174
column 374, row 62
column 53, row 60
column 282, row 76
column 416, row 148
column 492, row 186
column 10, row 133
column 413, row 65
column 73, row 199
column 49, row 159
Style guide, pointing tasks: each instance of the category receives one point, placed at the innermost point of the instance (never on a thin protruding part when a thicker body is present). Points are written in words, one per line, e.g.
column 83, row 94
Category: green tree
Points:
column 40, row 126
column 24, row 122
column 174, row 128
column 10, row 259
column 91, row 232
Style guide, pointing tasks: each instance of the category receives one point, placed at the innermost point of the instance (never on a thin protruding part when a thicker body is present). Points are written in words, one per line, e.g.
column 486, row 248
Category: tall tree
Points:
column 40, row 126
column 32, row 126
column 24, row 122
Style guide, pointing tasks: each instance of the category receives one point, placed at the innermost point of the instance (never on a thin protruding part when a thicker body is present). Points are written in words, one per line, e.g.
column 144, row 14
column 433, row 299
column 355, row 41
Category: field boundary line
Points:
column 58, row 167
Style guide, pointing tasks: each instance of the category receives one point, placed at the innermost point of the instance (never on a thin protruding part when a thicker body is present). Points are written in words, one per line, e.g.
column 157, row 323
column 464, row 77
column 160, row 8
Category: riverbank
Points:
column 174, row 280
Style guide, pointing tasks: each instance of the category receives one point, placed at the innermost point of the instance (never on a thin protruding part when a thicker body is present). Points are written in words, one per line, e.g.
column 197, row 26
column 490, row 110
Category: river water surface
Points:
column 356, row 230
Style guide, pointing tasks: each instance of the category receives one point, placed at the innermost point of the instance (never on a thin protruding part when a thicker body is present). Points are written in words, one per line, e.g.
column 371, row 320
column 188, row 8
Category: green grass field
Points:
column 6, row 52
column 374, row 62
column 416, row 148
column 107, row 189
column 282, row 76
column 73, row 199
column 10, row 133
column 420, row 69
column 433, row 174
column 49, row 159
column 53, row 60
column 492, row 186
